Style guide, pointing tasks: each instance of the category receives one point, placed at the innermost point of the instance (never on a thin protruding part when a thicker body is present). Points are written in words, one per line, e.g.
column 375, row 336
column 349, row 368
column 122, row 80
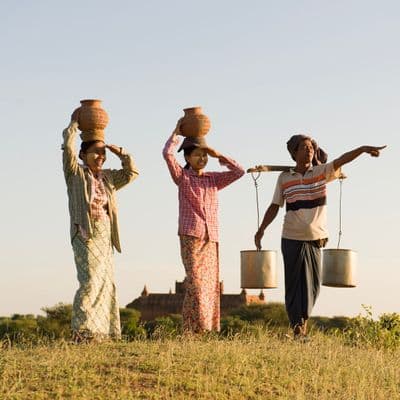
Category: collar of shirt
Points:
column 293, row 172
column 100, row 174
column 194, row 173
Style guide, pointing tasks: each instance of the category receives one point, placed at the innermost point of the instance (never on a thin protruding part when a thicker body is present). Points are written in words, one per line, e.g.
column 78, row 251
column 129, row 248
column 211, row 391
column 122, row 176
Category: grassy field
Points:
column 268, row 366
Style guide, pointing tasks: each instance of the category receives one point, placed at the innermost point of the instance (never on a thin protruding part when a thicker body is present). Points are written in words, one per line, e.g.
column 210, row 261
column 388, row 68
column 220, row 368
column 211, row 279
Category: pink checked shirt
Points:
column 198, row 195
column 98, row 200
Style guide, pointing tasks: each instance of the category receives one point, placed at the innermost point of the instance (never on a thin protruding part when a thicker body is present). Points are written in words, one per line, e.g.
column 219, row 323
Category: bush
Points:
column 381, row 333
column 391, row 322
column 164, row 327
column 326, row 324
column 130, row 324
column 18, row 328
column 57, row 322
column 271, row 314
column 232, row 325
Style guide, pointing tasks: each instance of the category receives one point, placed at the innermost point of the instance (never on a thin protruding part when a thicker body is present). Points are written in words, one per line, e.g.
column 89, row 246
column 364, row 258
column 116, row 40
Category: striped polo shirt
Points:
column 305, row 198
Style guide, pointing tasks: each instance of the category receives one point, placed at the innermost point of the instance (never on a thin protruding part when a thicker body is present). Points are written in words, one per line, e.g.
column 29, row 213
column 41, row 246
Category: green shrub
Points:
column 130, row 324
column 326, row 324
column 57, row 322
column 164, row 327
column 391, row 322
column 381, row 333
column 18, row 328
column 232, row 325
column 271, row 314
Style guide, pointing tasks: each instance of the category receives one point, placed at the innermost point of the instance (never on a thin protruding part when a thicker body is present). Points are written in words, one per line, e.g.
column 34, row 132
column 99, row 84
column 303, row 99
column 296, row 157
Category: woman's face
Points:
column 197, row 159
column 305, row 152
column 95, row 157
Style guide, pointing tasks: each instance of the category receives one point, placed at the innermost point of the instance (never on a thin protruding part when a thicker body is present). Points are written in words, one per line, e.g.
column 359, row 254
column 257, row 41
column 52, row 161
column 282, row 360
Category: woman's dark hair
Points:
column 85, row 147
column 187, row 151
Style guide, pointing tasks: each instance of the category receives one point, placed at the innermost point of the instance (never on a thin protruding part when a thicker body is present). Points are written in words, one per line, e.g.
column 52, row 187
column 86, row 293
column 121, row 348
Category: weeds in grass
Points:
column 365, row 330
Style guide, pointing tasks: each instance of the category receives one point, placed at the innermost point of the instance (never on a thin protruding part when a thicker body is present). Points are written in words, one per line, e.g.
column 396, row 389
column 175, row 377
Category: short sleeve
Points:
column 278, row 194
column 330, row 172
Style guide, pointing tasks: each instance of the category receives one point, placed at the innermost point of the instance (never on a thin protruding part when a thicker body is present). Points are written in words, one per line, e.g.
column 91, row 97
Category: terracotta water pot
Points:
column 194, row 122
column 92, row 119
column 258, row 269
column 90, row 136
column 339, row 268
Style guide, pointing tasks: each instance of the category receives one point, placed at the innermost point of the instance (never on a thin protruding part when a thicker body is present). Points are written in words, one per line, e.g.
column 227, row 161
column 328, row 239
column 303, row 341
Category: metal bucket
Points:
column 258, row 269
column 339, row 268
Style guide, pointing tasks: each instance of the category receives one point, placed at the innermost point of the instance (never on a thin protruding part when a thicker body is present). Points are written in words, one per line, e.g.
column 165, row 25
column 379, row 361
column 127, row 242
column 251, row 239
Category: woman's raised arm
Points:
column 70, row 158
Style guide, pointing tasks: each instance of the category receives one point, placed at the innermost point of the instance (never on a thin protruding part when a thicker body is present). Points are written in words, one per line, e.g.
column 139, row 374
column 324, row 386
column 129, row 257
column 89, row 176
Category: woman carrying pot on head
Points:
column 94, row 231
column 198, row 227
column 304, row 232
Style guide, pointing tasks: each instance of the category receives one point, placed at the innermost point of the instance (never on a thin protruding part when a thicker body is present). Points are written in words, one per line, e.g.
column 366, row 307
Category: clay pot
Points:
column 92, row 119
column 94, row 135
column 194, row 122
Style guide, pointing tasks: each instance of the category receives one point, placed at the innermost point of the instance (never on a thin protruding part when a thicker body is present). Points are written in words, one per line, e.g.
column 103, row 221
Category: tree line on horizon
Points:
column 56, row 324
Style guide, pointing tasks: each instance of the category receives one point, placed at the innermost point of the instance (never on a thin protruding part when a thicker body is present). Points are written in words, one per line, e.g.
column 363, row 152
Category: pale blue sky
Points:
column 262, row 70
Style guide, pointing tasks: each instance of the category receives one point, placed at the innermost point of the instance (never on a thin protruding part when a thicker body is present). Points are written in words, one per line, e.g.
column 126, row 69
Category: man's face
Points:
column 305, row 152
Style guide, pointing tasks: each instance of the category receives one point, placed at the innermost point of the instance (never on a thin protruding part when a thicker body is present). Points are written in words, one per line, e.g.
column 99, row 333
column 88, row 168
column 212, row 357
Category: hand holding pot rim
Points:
column 177, row 130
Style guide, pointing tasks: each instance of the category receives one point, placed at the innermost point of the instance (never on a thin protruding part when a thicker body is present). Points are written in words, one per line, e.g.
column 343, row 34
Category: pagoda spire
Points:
column 145, row 292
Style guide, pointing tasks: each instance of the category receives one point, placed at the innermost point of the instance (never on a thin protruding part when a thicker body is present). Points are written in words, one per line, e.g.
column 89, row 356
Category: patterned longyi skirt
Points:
column 201, row 304
column 95, row 309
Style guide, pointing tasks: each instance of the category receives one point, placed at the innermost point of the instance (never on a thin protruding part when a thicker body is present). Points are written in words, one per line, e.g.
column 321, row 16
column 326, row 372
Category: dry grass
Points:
column 267, row 367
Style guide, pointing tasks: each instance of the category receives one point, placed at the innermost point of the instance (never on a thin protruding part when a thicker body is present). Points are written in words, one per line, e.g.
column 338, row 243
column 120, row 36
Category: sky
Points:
column 262, row 71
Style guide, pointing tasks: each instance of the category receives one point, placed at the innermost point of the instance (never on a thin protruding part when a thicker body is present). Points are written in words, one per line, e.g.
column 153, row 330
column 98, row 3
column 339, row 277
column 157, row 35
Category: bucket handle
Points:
column 341, row 178
column 255, row 176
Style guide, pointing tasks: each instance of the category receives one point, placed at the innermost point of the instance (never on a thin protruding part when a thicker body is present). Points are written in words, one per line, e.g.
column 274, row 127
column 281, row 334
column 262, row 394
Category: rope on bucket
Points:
column 255, row 177
column 340, row 208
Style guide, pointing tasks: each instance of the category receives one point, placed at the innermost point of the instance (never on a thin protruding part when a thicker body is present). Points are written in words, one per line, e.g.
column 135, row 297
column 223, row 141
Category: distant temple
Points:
column 153, row 305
